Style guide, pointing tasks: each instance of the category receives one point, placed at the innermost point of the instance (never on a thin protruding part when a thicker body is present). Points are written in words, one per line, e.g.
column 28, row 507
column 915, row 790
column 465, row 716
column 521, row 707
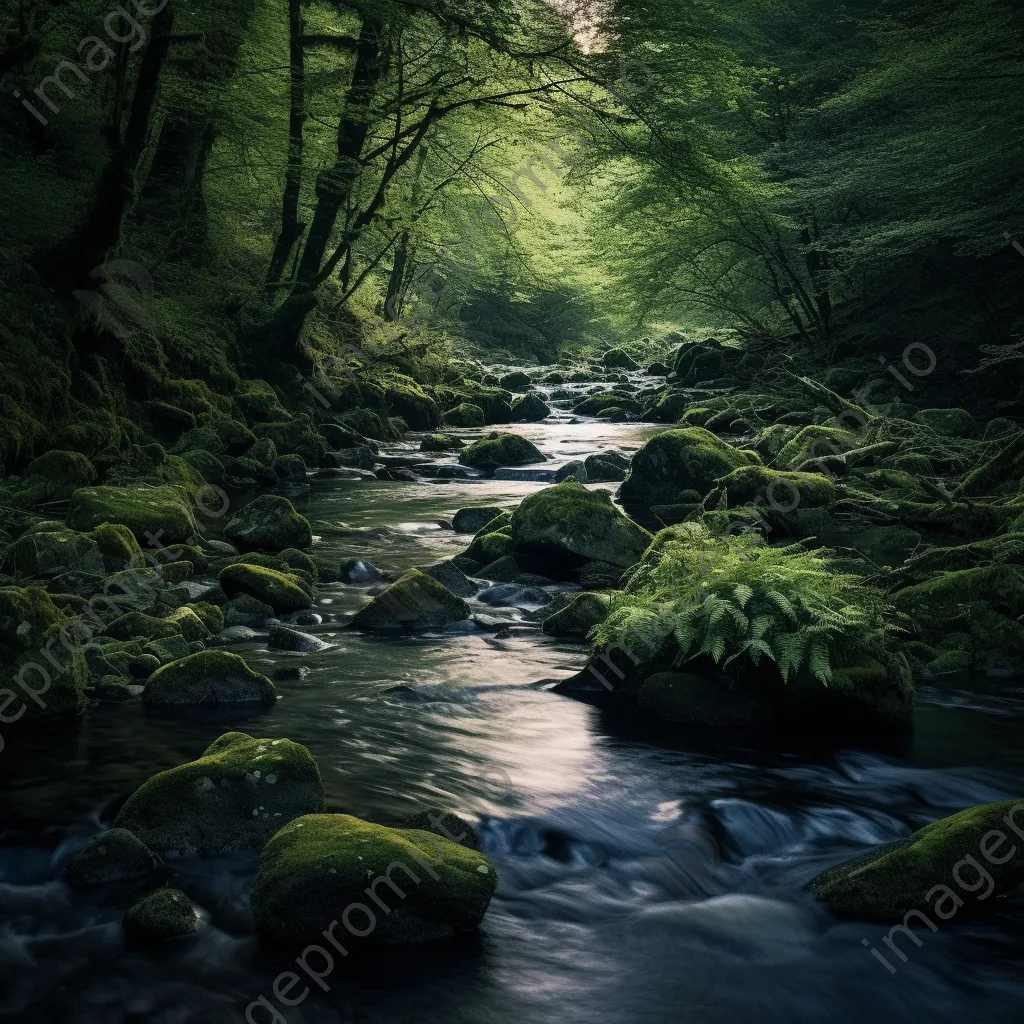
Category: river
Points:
column 641, row 879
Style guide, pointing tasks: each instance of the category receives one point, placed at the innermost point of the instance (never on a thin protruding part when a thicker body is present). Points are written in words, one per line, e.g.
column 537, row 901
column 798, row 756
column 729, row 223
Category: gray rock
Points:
column 284, row 639
column 449, row 576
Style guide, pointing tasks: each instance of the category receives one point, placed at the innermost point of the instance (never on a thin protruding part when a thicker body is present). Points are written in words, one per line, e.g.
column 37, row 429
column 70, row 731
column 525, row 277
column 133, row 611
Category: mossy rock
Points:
column 282, row 591
column 297, row 436
column 498, row 450
column 140, row 590
column 922, row 872
column 816, row 442
column 30, row 623
column 233, row 798
column 269, row 523
column 138, row 625
column 370, row 424
column 317, row 867
column 473, row 520
column 619, row 359
column 516, row 381
column 51, row 551
column 794, row 504
column 1000, row 429
column 415, row 601
column 209, row 677
column 489, row 547
column 770, row 441
column 258, row 401
column 290, row 467
column 189, row 624
column 948, row 422
column 245, row 610
column 687, row 698
column 305, row 572
column 117, row 545
column 402, row 397
column 494, row 401
column 54, row 476
column 163, row 915
column 679, row 460
column 111, row 857
column 465, row 415
column 441, row 443
column 573, row 525
column 340, row 438
column 169, row 421
column 595, row 405
column 206, row 464
column 575, row 614
column 171, row 648
column 529, row 409
column 159, row 513
column 602, row 469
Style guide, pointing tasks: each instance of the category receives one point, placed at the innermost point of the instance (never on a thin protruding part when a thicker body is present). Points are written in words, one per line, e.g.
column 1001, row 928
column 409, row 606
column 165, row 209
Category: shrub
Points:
column 737, row 598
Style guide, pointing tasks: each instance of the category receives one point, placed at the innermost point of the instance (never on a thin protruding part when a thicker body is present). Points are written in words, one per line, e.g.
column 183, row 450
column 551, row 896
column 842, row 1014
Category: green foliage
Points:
column 736, row 597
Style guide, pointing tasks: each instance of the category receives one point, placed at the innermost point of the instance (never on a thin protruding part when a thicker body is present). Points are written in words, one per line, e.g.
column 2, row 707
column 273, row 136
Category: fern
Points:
column 733, row 598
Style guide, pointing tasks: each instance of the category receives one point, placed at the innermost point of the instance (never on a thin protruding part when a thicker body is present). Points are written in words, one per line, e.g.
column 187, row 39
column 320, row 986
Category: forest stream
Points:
column 640, row 878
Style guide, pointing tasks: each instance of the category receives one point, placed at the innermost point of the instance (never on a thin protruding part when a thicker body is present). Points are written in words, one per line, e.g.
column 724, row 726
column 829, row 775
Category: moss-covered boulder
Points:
column 815, row 442
column 139, row 625
column 298, row 436
column 679, row 460
column 604, row 468
column 245, row 610
column 963, row 861
column 948, row 422
column 258, row 401
column 441, row 443
column 529, row 408
column 51, row 549
column 596, row 405
column 794, row 504
column 113, row 856
column 34, row 688
column 687, row 698
column 516, row 380
column 500, row 450
column 446, row 824
column 160, row 513
column 489, row 547
column 163, row 915
column 619, row 359
column 54, row 476
column 401, row 396
column 209, row 677
column 234, row 797
column 573, row 525
column 319, row 868
column 473, row 520
column 465, row 415
column 283, row 591
column 269, row 523
column 415, row 601
column 575, row 614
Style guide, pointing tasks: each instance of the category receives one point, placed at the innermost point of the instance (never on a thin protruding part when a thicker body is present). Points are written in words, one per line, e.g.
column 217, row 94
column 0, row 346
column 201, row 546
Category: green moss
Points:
column 171, row 648
column 575, row 614
column 257, row 400
column 319, row 865
column 595, row 405
column 148, row 512
column 112, row 856
column 30, row 624
column 500, row 450
column 918, row 873
column 282, row 591
column 269, row 523
column 488, row 547
column 401, row 396
column 415, row 601
column 948, row 422
column 52, row 477
column 51, row 551
column 679, row 460
column 298, row 436
column 770, row 441
column 117, row 545
column 369, row 424
column 441, row 443
column 574, row 524
column 206, row 464
column 136, row 625
column 164, row 915
column 209, row 677
column 444, row 823
column 815, row 442
column 465, row 415
column 189, row 624
column 234, row 797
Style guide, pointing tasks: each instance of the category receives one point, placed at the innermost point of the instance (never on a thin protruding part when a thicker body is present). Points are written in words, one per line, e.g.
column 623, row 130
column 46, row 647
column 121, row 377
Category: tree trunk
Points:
column 70, row 263
column 333, row 189
column 397, row 283
column 291, row 228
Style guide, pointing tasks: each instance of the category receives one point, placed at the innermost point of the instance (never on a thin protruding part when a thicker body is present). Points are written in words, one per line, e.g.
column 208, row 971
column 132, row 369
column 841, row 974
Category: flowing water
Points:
column 641, row 879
